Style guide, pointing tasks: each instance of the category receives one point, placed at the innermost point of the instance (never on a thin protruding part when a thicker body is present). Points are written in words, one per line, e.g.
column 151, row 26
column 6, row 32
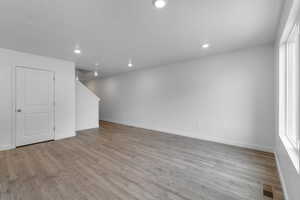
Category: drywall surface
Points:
column 64, row 93
column 290, row 178
column 227, row 98
column 87, row 108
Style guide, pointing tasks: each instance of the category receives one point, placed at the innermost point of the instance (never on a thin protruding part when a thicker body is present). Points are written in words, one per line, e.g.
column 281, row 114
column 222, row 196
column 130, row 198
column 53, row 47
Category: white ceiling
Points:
column 112, row 31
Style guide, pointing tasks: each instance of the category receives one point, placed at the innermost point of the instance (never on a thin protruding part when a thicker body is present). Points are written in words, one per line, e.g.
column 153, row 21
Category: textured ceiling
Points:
column 112, row 31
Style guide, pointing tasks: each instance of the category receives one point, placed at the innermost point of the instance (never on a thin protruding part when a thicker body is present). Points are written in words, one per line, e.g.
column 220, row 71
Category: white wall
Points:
column 290, row 179
column 226, row 98
column 64, row 93
column 87, row 108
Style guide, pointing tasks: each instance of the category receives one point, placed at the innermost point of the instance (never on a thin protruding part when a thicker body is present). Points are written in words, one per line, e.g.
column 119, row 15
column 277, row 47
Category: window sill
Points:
column 292, row 151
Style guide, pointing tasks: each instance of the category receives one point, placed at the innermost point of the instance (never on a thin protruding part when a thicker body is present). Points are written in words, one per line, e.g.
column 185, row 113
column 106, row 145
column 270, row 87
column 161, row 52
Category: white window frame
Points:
column 294, row 96
column 292, row 147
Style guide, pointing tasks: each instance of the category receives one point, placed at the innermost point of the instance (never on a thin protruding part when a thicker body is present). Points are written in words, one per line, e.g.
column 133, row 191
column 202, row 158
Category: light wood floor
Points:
column 118, row 162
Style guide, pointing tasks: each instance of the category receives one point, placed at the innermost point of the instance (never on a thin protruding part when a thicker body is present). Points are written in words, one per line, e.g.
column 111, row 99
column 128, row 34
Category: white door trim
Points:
column 13, row 97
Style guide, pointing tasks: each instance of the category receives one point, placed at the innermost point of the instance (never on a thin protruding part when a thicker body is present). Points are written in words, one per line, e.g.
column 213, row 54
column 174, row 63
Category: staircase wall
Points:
column 87, row 108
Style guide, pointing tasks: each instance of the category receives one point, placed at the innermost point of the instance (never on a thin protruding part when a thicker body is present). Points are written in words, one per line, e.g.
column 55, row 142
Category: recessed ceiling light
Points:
column 130, row 63
column 77, row 51
column 205, row 46
column 95, row 73
column 160, row 3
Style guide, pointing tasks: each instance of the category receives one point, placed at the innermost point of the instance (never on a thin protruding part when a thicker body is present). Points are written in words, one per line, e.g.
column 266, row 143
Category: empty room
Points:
column 150, row 100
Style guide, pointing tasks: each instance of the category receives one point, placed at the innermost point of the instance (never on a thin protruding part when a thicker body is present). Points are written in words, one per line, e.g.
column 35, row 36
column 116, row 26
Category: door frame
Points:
column 14, row 102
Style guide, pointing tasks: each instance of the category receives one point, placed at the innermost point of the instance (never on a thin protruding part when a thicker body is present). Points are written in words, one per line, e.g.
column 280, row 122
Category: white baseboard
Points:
column 286, row 197
column 5, row 147
column 59, row 137
column 87, row 128
column 192, row 135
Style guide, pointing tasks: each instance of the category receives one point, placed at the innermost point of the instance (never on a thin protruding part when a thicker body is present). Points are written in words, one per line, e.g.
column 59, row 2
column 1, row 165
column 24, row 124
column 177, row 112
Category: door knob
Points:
column 19, row 110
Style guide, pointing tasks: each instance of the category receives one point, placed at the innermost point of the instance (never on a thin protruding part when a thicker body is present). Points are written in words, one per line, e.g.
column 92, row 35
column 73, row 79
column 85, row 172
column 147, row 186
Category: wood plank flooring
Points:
column 123, row 163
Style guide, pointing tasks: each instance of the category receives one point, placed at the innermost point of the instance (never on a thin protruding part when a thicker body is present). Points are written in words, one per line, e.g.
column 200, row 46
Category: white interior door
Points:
column 34, row 106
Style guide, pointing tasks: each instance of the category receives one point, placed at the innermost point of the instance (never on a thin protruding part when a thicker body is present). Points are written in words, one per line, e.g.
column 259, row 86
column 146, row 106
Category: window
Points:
column 289, row 91
column 292, row 77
